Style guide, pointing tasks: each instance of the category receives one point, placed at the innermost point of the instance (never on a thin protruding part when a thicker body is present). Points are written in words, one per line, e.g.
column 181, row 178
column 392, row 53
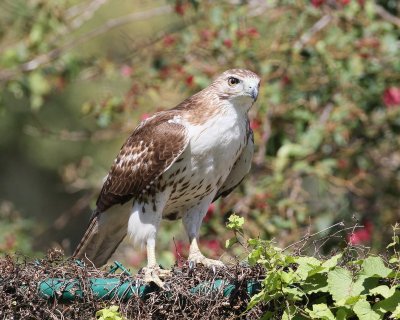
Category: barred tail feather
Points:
column 91, row 230
column 102, row 237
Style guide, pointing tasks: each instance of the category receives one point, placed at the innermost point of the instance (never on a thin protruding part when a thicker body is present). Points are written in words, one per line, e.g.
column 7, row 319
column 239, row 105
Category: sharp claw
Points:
column 156, row 280
column 166, row 287
column 199, row 258
column 154, row 274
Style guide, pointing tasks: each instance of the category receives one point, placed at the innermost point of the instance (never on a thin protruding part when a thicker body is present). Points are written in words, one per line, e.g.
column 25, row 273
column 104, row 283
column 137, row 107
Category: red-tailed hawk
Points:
column 173, row 166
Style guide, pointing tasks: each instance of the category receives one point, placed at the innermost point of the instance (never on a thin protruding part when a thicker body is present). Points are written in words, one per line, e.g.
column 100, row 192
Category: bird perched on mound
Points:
column 173, row 166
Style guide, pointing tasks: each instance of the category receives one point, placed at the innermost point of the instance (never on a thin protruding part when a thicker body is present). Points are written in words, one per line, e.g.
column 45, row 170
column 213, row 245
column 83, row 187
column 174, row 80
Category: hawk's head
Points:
column 238, row 86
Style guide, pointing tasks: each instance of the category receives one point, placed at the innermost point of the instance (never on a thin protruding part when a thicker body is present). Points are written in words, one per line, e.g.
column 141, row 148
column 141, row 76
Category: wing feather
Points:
column 151, row 149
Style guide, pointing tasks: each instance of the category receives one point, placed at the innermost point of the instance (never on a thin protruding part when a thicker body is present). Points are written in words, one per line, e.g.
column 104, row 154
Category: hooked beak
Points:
column 254, row 93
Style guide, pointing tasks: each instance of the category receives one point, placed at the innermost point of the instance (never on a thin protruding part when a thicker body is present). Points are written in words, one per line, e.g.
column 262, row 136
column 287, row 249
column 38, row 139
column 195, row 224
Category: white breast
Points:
column 215, row 144
column 206, row 163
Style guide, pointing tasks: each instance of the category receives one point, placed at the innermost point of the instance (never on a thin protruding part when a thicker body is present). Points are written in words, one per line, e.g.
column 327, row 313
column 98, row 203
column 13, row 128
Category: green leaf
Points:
column 315, row 283
column 341, row 314
column 383, row 290
column 216, row 16
column 312, row 138
column 308, row 266
column 374, row 266
column 235, row 222
column 255, row 255
column 257, row 298
column 332, row 262
column 396, row 312
column 320, row 311
column 289, row 313
column 292, row 150
column 364, row 312
column 230, row 242
column 352, row 300
column 38, row 83
column 293, row 294
column 38, row 86
column 388, row 305
column 36, row 34
column 110, row 313
column 394, row 259
column 309, row 261
column 367, row 282
column 114, row 308
column 287, row 151
column 268, row 315
column 287, row 277
column 396, row 241
column 342, row 286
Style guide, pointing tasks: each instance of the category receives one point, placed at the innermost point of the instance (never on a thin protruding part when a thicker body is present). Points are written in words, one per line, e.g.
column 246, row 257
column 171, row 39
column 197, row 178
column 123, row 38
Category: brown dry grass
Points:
column 19, row 298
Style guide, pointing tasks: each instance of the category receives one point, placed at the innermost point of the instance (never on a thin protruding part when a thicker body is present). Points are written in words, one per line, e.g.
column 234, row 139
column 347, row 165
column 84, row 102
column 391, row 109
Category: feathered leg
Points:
column 142, row 227
column 192, row 222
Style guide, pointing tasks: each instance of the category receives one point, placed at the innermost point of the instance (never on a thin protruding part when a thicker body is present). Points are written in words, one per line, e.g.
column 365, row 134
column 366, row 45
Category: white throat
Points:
column 241, row 104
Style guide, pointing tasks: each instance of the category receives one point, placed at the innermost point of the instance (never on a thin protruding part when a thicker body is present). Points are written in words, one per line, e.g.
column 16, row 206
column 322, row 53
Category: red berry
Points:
column 362, row 235
column 391, row 97
column 164, row 72
column 179, row 69
column 358, row 237
column 317, row 3
column 285, row 80
column 206, row 35
column 210, row 212
column 60, row 83
column 181, row 248
column 228, row 43
column 240, row 34
column 180, row 9
column 343, row 163
column 126, row 71
column 253, row 32
column 135, row 259
column 169, row 40
column 189, row 80
column 255, row 124
column 260, row 201
column 212, row 245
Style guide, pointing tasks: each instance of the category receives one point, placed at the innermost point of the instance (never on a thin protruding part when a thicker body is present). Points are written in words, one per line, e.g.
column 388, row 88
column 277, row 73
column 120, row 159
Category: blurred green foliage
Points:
column 15, row 231
column 78, row 76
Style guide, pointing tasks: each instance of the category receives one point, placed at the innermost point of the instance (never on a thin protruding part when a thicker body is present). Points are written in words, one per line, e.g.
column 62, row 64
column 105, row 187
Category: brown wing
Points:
column 151, row 149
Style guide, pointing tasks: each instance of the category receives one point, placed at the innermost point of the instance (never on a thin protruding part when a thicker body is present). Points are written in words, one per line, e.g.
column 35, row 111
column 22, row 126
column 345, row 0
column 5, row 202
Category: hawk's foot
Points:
column 155, row 274
column 198, row 257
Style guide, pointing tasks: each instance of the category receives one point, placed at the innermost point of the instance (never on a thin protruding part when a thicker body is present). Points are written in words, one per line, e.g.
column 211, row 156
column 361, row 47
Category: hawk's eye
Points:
column 232, row 81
